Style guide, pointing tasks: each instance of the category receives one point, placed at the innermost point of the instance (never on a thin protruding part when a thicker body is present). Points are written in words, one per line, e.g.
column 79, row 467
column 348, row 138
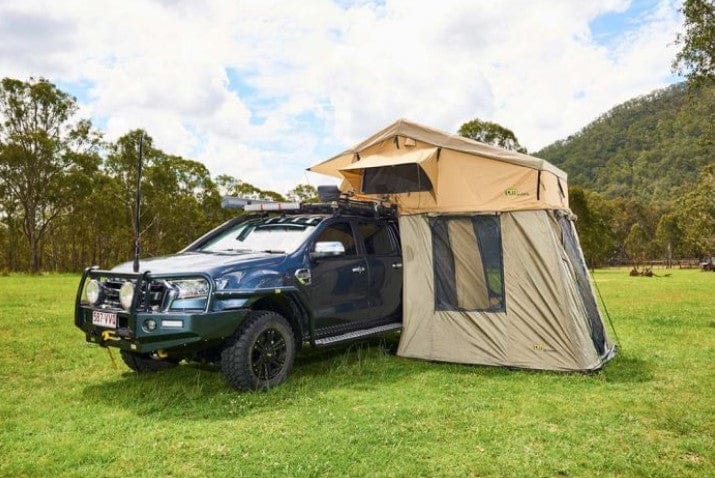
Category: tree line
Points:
column 67, row 195
column 642, row 177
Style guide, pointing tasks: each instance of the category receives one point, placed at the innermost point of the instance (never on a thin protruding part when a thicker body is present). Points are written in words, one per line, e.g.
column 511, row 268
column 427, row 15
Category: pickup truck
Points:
column 250, row 293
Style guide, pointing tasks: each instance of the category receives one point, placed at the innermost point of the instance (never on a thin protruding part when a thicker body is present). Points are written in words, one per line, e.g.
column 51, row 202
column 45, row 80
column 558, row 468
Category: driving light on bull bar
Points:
column 93, row 292
column 126, row 295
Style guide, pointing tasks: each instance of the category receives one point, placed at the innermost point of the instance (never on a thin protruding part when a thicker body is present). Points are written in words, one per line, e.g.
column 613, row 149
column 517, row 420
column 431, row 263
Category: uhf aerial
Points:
column 138, row 203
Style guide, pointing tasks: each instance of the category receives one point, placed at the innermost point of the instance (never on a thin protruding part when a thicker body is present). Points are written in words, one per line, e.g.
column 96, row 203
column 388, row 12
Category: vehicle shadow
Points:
column 199, row 391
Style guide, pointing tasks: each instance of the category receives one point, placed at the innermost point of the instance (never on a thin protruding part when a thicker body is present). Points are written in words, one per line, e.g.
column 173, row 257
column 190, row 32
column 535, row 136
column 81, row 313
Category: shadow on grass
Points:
column 199, row 391
column 194, row 391
column 627, row 369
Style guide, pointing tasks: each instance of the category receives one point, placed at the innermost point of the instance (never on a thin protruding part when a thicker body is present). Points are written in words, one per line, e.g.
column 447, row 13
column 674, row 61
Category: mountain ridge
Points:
column 650, row 147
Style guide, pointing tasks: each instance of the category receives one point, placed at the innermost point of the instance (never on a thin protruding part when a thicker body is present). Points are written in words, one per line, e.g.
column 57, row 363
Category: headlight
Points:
column 93, row 291
column 191, row 288
column 126, row 295
column 189, row 294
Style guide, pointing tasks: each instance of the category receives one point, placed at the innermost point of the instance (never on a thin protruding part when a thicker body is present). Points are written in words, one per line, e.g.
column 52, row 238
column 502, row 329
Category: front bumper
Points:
column 173, row 330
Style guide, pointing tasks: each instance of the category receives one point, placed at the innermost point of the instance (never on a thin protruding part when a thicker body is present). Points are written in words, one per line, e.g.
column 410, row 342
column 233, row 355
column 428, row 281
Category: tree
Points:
column 46, row 158
column 491, row 133
column 696, row 58
column 230, row 186
column 697, row 214
column 668, row 235
column 636, row 244
column 303, row 193
column 646, row 148
column 593, row 213
column 179, row 199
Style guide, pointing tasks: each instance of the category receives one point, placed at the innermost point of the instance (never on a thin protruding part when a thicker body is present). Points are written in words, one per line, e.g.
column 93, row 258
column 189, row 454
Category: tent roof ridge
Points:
column 451, row 141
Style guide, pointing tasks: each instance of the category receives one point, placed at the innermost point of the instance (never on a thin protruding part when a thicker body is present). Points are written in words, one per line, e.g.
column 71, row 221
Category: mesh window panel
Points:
column 445, row 289
column 488, row 230
column 403, row 178
column 573, row 251
column 460, row 283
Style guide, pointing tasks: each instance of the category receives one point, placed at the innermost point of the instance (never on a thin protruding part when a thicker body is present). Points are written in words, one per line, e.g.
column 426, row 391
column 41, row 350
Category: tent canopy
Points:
column 426, row 170
column 493, row 272
column 437, row 138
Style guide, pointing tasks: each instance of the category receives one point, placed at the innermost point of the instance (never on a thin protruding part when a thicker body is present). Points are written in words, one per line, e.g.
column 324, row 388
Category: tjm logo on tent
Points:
column 512, row 191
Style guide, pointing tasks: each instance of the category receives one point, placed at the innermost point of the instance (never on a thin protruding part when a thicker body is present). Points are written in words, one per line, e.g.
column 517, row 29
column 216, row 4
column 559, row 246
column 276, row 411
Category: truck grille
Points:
column 152, row 294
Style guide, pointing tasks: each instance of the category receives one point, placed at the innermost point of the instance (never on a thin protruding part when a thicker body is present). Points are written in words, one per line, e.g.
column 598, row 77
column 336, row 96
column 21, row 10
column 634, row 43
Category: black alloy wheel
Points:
column 260, row 354
column 268, row 355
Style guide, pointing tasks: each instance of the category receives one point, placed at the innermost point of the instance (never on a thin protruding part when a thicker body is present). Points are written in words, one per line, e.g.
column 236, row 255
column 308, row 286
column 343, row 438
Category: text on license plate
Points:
column 104, row 319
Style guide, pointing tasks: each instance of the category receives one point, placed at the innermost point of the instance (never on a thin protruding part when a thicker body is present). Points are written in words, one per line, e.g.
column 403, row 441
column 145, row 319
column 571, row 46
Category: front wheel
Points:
column 146, row 363
column 261, row 352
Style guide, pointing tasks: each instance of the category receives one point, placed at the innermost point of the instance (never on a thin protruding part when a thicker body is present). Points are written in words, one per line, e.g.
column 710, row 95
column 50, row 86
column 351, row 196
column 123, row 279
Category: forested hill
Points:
column 651, row 147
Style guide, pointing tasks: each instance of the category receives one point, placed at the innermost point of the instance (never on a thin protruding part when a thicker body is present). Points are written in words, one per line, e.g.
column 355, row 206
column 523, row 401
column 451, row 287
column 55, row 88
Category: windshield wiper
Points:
column 273, row 251
column 233, row 250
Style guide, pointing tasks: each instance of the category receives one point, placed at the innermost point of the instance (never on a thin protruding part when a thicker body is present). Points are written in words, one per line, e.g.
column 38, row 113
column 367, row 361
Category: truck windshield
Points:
column 274, row 234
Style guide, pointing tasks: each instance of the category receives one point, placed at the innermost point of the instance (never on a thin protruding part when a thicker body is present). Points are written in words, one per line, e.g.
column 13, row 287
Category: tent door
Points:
column 575, row 255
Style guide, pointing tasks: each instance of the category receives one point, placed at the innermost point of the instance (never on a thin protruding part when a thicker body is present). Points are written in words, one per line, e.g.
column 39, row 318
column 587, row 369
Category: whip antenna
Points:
column 138, row 203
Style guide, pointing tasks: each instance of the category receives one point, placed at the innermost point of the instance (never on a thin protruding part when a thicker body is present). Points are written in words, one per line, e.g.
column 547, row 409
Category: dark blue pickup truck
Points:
column 251, row 292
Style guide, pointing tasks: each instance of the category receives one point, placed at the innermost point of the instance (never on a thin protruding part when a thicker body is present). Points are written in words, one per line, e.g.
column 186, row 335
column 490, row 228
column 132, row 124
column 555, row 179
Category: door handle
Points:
column 359, row 269
column 397, row 265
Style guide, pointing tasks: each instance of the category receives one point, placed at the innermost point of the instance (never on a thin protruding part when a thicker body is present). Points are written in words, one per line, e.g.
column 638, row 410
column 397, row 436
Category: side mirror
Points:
column 327, row 249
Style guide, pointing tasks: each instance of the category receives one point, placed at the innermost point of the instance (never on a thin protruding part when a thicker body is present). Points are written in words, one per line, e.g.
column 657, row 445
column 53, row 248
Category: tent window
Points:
column 403, row 178
column 468, row 267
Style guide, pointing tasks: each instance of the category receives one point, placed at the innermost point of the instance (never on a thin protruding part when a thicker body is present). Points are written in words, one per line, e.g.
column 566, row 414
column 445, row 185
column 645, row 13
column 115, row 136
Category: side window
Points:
column 468, row 267
column 378, row 239
column 339, row 232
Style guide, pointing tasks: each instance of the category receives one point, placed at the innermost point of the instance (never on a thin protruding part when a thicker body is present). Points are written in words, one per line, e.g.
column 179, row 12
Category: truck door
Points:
column 339, row 288
column 384, row 259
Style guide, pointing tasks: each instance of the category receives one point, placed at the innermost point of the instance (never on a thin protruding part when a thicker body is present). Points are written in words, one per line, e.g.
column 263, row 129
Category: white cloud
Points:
column 316, row 77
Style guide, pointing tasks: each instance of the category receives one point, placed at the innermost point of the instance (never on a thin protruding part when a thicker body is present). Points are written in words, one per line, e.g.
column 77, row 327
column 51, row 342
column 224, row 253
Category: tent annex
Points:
column 493, row 270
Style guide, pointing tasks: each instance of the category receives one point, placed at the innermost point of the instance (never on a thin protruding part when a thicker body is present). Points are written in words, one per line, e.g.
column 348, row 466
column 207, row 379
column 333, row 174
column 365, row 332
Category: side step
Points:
column 358, row 334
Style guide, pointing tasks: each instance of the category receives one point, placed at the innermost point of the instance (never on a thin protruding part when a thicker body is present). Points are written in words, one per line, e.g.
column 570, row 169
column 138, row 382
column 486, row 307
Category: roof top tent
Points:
column 493, row 270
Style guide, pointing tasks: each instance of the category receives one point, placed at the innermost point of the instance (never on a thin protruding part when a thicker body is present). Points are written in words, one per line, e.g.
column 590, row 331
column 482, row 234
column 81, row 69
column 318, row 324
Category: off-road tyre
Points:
column 260, row 354
column 143, row 363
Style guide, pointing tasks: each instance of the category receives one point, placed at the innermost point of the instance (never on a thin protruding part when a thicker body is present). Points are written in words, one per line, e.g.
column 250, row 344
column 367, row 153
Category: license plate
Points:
column 104, row 319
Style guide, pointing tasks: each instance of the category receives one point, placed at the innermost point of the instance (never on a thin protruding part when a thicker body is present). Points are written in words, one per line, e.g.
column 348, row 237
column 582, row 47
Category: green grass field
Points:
column 358, row 410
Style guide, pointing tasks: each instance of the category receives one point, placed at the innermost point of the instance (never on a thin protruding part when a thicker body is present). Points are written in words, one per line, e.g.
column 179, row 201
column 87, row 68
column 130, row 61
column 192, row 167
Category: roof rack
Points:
column 343, row 205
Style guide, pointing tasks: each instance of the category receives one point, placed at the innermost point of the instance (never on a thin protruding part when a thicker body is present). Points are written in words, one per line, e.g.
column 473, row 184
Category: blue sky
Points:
column 262, row 90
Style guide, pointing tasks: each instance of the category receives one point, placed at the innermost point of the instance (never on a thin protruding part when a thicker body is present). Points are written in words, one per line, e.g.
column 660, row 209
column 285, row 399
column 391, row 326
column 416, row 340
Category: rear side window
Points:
column 468, row 266
column 340, row 232
column 378, row 238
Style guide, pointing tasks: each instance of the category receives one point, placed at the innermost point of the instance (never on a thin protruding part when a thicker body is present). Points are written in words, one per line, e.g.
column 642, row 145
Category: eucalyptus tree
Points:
column 47, row 156
column 491, row 133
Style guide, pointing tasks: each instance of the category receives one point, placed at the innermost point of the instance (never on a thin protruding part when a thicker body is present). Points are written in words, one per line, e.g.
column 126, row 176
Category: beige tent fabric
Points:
column 544, row 326
column 547, row 321
column 450, row 336
column 408, row 129
column 426, row 158
column 467, row 178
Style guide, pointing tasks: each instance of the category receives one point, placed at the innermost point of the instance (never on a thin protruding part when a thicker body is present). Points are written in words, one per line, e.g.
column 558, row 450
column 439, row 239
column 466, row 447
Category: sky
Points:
column 263, row 89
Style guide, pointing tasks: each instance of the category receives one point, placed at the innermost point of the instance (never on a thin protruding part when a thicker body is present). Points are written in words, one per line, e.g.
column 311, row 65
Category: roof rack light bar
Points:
column 273, row 206
column 232, row 202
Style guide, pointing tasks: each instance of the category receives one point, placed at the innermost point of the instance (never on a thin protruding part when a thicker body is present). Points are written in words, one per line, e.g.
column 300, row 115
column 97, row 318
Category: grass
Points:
column 358, row 410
